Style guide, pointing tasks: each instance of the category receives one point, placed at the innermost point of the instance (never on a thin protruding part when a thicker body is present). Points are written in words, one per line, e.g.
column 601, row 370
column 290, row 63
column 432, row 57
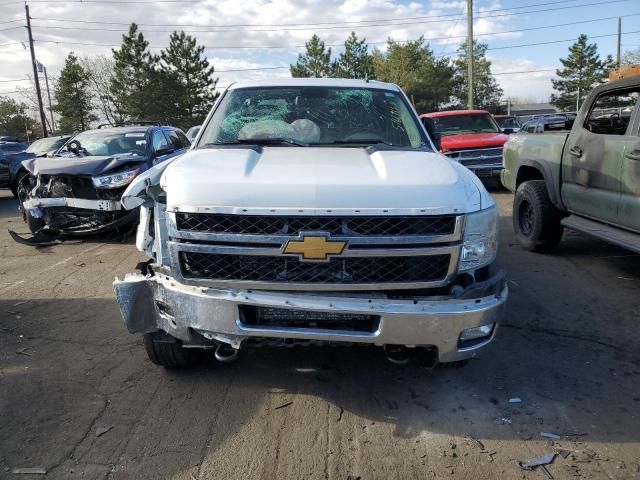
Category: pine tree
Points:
column 135, row 76
column 486, row 91
column 315, row 62
column 582, row 71
column 355, row 61
column 73, row 98
column 413, row 66
column 191, row 78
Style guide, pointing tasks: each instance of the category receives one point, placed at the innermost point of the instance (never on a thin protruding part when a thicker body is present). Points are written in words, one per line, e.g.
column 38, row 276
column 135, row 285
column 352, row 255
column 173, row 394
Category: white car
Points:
column 313, row 209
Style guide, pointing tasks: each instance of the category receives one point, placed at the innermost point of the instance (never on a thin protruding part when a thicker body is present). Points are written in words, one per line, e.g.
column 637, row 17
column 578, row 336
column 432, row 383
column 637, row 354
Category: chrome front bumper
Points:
column 159, row 302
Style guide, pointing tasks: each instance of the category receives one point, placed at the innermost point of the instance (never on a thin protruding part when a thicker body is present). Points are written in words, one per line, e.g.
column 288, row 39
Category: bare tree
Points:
column 100, row 68
column 29, row 97
column 631, row 57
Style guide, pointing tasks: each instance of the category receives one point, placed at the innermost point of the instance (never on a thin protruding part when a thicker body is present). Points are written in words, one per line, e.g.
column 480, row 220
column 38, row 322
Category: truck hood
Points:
column 78, row 165
column 314, row 180
column 473, row 140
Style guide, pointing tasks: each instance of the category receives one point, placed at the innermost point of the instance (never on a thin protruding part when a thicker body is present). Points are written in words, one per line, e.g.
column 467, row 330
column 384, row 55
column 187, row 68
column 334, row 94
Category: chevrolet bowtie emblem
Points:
column 314, row 247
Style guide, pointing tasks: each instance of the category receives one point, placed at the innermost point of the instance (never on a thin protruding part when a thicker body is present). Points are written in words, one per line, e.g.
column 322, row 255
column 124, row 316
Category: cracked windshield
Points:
column 313, row 116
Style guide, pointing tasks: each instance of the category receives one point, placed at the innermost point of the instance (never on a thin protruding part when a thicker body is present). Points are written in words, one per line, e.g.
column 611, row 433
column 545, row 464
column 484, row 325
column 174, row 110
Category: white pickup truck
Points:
column 313, row 209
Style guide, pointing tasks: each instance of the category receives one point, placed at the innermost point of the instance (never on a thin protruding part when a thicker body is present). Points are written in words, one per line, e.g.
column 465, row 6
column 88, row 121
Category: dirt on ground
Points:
column 79, row 398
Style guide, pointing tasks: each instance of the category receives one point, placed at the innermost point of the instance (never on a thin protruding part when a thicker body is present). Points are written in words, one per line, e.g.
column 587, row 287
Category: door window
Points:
column 611, row 112
column 177, row 141
column 159, row 141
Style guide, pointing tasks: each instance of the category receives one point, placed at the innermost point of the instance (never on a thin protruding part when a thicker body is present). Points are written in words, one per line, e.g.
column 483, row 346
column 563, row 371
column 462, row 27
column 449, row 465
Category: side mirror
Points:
column 507, row 131
column 164, row 150
column 434, row 134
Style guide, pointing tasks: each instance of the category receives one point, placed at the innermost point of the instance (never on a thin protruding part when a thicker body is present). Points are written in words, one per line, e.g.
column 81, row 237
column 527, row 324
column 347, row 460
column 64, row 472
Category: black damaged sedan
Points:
column 77, row 192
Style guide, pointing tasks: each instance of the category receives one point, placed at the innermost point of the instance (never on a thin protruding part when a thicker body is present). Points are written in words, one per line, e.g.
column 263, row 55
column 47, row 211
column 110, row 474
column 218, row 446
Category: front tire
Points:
column 34, row 224
column 166, row 351
column 536, row 221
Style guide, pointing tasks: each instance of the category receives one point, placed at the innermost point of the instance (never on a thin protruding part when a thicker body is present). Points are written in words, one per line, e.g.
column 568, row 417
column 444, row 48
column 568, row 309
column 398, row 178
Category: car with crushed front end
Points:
column 313, row 210
column 78, row 190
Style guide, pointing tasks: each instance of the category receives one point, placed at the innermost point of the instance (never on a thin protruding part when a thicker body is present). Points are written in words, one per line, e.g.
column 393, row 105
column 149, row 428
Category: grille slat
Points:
column 283, row 269
column 477, row 156
column 292, row 225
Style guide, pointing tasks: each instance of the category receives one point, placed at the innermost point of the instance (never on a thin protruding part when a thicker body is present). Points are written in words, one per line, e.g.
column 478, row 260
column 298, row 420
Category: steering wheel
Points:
column 137, row 151
column 74, row 146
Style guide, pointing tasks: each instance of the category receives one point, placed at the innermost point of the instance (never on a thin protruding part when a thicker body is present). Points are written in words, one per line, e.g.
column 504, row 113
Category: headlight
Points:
column 115, row 180
column 480, row 240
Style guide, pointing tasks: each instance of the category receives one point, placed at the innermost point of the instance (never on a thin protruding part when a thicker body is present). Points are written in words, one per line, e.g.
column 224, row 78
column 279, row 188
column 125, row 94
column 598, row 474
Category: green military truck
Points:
column 586, row 179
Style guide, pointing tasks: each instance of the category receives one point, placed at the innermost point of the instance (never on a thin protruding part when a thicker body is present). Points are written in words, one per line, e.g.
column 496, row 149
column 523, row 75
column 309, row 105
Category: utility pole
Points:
column 43, row 69
column 619, row 39
column 43, row 118
column 470, row 53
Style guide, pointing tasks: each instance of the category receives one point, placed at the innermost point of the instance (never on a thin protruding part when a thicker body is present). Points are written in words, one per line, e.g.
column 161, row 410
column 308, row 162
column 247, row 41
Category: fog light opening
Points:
column 475, row 336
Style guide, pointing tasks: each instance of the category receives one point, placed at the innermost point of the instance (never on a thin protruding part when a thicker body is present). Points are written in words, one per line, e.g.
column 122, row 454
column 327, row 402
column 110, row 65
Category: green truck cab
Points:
column 587, row 179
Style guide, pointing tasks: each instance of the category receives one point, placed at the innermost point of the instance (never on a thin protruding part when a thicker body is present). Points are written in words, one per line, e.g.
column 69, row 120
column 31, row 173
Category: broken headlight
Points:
column 480, row 241
column 115, row 180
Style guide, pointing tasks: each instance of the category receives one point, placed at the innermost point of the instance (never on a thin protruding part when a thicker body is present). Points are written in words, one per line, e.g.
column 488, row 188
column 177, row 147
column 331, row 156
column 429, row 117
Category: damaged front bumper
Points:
column 101, row 205
column 188, row 313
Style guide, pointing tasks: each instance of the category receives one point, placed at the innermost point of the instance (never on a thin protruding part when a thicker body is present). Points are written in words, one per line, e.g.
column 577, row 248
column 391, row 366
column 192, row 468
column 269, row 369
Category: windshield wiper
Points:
column 261, row 141
column 366, row 141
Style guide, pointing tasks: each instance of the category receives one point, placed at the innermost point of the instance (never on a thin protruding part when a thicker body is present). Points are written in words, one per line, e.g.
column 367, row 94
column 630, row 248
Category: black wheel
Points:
column 20, row 177
column 535, row 220
column 34, row 224
column 168, row 352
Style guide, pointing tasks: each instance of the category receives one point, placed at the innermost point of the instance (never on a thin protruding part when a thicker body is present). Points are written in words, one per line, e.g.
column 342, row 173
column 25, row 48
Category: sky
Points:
column 522, row 35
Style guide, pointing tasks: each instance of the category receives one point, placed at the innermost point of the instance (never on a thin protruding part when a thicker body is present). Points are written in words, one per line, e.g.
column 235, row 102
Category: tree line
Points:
column 431, row 83
column 176, row 86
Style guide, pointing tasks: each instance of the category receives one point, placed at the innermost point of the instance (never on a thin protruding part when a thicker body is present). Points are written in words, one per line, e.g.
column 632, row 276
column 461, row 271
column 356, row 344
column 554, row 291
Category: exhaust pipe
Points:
column 226, row 353
column 397, row 354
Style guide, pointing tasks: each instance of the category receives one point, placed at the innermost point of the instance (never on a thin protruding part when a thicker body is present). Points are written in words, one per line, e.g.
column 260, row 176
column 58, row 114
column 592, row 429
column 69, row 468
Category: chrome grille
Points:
column 344, row 270
column 477, row 156
column 292, row 225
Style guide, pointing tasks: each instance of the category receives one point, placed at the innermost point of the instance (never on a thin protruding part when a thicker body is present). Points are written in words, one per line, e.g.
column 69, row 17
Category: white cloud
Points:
column 208, row 18
column 533, row 86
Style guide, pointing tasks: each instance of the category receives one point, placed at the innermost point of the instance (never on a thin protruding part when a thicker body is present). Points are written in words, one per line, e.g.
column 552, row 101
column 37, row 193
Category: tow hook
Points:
column 226, row 353
column 397, row 354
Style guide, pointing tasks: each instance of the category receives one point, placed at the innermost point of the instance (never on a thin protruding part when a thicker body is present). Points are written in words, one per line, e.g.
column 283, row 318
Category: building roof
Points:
column 319, row 82
column 533, row 107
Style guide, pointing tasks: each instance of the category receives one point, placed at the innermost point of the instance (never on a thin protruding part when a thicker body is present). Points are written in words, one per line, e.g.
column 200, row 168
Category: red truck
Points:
column 472, row 138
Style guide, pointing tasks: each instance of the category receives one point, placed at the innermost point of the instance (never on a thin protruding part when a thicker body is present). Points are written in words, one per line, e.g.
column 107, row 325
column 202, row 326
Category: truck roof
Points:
column 450, row 113
column 320, row 82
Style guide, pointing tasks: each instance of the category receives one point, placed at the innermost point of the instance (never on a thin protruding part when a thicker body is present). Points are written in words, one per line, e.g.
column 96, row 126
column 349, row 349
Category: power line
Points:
column 242, row 47
column 526, row 71
column 10, row 43
column 11, row 21
column 338, row 25
column 306, row 24
column 449, row 37
column 16, row 80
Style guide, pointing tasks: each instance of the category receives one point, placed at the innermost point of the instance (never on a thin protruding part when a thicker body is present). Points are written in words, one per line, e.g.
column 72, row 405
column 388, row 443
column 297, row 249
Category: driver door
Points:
column 594, row 155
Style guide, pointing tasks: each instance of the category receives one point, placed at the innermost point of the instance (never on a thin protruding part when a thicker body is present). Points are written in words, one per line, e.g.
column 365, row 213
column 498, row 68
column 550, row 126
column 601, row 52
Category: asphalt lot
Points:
column 569, row 347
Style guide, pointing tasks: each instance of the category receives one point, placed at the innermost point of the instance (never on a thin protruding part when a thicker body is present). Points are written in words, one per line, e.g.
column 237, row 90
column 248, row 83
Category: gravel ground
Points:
column 568, row 347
